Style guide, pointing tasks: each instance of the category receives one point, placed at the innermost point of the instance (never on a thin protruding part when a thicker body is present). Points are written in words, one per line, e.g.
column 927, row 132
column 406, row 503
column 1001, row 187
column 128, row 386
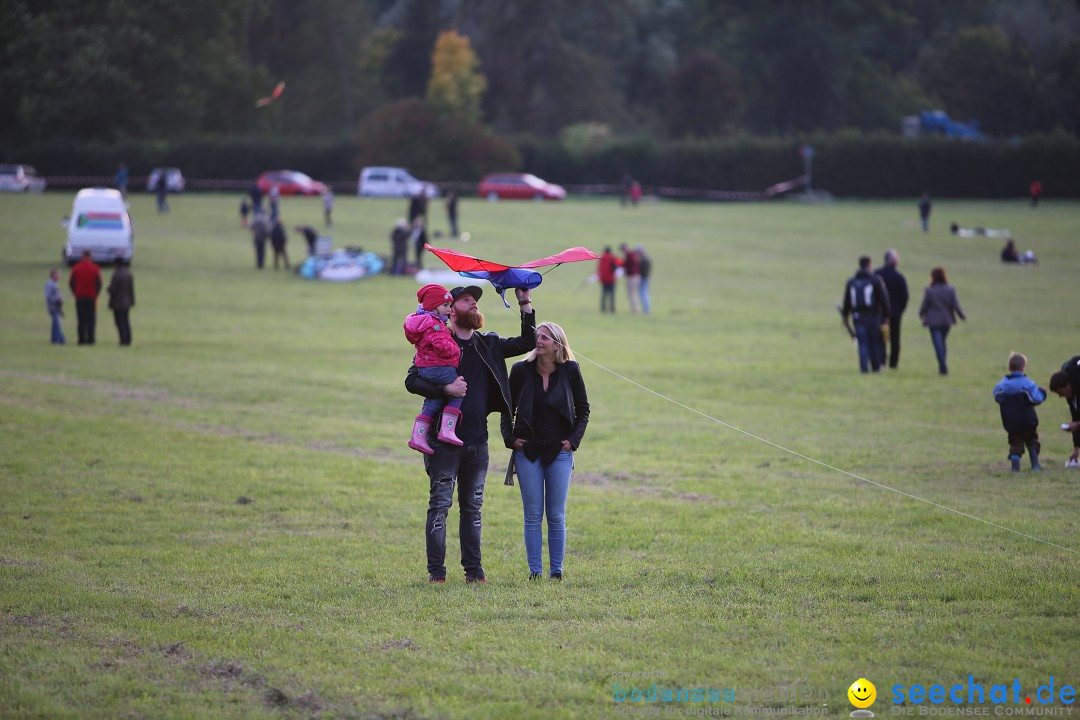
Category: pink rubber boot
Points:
column 447, row 431
column 418, row 441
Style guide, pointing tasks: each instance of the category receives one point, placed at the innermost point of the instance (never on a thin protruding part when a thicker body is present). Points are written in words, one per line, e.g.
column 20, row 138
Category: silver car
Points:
column 20, row 178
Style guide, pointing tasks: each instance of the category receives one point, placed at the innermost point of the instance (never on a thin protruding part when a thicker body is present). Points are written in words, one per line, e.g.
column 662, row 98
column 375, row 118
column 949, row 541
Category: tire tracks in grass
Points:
column 173, row 665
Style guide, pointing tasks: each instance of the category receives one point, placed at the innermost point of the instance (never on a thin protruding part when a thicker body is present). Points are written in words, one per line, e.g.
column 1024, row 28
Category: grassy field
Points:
column 223, row 520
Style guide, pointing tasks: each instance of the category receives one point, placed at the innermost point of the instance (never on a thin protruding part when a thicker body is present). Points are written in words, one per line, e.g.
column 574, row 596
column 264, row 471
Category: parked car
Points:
column 100, row 223
column 392, row 182
column 20, row 178
column 519, row 186
column 174, row 179
column 290, row 182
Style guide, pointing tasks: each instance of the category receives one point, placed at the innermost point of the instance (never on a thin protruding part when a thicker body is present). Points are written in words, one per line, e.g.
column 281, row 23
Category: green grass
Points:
column 133, row 583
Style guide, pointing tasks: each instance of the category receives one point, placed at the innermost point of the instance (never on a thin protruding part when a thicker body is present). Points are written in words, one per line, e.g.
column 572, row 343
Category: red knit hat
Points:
column 432, row 296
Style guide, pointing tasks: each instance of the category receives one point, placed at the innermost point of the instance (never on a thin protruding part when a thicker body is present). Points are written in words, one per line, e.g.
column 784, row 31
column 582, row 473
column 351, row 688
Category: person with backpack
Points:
column 867, row 301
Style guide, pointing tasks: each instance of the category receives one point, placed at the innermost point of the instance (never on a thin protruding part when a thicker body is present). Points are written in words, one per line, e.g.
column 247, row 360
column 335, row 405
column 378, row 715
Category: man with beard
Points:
column 482, row 373
column 1066, row 383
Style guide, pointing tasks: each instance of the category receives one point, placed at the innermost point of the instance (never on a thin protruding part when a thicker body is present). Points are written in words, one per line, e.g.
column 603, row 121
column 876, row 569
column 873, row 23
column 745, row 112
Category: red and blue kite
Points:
column 504, row 277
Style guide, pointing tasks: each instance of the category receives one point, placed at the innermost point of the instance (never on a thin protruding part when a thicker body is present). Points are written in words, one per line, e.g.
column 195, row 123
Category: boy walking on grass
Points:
column 1017, row 395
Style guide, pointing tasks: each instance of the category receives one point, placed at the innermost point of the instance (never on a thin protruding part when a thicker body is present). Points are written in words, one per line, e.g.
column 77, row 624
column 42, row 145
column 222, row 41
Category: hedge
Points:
column 847, row 164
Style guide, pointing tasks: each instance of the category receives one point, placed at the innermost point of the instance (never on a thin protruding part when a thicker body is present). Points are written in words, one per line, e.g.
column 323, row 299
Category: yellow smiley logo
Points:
column 862, row 693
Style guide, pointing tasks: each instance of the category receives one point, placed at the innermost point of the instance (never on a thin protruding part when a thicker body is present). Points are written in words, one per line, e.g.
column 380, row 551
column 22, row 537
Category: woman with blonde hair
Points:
column 549, row 413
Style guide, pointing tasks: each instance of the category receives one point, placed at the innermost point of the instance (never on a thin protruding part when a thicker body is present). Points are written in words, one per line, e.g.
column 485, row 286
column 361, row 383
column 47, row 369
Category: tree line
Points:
column 119, row 70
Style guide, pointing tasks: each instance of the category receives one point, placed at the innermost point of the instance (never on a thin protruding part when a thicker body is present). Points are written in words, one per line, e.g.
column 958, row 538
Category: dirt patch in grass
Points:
column 16, row 563
column 60, row 626
column 402, row 644
column 176, row 651
column 120, row 392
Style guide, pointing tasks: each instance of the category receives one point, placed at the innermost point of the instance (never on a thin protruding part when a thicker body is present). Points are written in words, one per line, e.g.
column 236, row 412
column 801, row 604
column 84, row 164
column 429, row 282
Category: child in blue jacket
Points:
column 1017, row 395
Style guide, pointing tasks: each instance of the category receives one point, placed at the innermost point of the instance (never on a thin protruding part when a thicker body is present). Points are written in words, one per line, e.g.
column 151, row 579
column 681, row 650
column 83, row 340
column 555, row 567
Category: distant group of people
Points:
column 411, row 232
column 637, row 270
column 269, row 227
column 1017, row 396
column 876, row 302
column 85, row 284
column 263, row 230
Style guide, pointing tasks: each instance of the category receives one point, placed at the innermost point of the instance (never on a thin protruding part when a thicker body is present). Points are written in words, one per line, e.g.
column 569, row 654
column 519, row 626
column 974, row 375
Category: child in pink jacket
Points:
column 437, row 357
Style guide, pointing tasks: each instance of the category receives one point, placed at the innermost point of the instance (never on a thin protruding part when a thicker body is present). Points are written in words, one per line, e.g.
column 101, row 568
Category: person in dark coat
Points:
column 1066, row 384
column 1009, row 253
column 85, row 284
column 122, row 299
column 451, row 212
column 867, row 301
column 162, row 193
column 399, row 247
column 278, row 240
column 924, row 212
column 547, row 419
column 419, row 239
column 310, row 236
column 896, row 287
column 418, row 206
column 260, row 233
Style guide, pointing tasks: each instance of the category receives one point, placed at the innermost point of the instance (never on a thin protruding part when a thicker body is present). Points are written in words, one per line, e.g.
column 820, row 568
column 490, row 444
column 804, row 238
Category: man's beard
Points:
column 472, row 320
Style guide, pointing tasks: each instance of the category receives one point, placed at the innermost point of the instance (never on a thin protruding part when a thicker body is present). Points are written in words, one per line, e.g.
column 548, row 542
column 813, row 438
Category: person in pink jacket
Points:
column 437, row 358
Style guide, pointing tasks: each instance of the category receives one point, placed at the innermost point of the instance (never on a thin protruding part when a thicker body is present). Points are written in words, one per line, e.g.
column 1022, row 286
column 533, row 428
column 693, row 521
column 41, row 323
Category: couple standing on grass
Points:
column 544, row 409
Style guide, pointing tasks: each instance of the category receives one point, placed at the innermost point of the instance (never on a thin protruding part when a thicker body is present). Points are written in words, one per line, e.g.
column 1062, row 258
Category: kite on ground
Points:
column 504, row 277
column 263, row 102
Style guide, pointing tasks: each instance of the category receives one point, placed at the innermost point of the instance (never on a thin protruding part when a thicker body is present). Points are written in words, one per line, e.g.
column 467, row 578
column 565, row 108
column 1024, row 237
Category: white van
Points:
column 100, row 223
column 392, row 182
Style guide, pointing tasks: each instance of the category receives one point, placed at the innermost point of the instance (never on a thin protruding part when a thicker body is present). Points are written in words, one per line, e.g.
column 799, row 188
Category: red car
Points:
column 519, row 186
column 289, row 182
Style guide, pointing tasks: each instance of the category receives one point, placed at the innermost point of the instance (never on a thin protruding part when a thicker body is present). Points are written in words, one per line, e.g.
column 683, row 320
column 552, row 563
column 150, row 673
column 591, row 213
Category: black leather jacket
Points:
column 568, row 398
column 494, row 350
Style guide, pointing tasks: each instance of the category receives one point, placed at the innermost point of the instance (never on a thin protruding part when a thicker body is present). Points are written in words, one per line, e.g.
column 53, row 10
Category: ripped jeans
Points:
column 465, row 467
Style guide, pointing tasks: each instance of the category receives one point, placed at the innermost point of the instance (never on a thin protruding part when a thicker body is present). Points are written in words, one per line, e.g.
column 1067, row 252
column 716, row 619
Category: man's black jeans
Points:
column 466, row 467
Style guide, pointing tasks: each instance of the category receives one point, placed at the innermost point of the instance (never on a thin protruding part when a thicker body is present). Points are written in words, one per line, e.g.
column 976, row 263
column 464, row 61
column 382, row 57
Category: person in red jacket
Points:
column 437, row 358
column 85, row 283
column 605, row 271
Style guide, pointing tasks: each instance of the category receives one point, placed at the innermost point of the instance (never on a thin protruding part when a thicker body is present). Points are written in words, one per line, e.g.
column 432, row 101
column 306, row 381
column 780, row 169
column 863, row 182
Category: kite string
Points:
column 819, row 462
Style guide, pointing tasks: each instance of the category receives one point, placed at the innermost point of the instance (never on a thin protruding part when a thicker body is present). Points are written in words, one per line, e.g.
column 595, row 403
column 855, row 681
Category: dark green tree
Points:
column 979, row 73
column 704, row 98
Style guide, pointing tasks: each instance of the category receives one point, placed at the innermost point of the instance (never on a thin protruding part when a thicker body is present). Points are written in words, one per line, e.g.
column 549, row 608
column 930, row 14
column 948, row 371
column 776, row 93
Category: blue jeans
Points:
column 544, row 487
column 871, row 347
column 466, row 467
column 937, row 336
column 57, row 331
column 441, row 375
column 645, row 304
